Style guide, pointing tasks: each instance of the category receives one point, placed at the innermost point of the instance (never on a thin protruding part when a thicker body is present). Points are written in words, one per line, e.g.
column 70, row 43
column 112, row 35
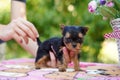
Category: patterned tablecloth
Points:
column 23, row 69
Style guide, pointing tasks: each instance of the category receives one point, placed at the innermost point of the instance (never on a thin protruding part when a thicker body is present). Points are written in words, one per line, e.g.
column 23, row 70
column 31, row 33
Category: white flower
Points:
column 92, row 6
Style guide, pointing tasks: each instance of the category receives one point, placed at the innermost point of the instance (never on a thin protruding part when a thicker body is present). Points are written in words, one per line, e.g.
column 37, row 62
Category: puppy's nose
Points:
column 74, row 45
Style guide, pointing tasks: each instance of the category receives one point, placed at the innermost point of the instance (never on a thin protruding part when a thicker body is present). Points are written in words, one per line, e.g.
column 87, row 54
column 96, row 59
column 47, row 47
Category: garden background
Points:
column 46, row 15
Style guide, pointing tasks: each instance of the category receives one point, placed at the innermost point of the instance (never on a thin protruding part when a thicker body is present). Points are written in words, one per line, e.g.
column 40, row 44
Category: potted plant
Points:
column 109, row 10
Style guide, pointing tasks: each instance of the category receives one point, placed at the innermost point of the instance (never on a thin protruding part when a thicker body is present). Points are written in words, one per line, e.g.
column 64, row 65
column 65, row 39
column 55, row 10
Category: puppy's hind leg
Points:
column 42, row 62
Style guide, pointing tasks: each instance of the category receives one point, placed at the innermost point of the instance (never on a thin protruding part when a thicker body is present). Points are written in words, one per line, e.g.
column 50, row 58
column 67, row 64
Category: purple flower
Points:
column 102, row 2
column 92, row 6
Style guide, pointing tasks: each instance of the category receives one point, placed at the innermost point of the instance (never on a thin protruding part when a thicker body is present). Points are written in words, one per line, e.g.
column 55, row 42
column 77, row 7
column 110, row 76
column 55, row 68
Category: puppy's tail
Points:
column 38, row 41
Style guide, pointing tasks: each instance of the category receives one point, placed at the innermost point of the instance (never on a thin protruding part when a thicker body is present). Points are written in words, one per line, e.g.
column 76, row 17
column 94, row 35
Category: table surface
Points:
column 23, row 69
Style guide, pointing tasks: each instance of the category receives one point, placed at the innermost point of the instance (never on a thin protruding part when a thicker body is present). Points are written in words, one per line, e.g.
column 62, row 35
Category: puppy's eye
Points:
column 80, row 40
column 68, row 40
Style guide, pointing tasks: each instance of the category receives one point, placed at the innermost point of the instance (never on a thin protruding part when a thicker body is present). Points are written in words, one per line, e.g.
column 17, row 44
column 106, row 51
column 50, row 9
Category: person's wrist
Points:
column 1, row 39
column 21, row 0
column 0, row 33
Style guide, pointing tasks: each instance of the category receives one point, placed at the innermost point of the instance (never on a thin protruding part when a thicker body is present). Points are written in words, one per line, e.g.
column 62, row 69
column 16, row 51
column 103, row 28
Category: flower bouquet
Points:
column 109, row 10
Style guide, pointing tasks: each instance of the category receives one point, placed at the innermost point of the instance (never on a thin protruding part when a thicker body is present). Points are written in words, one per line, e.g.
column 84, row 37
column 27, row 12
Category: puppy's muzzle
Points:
column 74, row 45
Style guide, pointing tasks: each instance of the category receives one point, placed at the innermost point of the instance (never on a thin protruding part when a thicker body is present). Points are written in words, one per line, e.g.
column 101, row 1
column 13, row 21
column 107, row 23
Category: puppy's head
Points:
column 73, row 36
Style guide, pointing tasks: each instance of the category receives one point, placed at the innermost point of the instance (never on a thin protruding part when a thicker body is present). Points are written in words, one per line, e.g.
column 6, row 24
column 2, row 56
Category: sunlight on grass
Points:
column 4, row 5
column 109, row 53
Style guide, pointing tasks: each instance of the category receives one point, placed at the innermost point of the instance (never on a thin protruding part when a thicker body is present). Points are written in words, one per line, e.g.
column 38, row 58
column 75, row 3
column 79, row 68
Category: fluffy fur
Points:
column 72, row 39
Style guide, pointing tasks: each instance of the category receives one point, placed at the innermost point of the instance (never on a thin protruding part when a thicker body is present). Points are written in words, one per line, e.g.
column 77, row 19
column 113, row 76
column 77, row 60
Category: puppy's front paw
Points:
column 77, row 69
column 62, row 69
column 37, row 66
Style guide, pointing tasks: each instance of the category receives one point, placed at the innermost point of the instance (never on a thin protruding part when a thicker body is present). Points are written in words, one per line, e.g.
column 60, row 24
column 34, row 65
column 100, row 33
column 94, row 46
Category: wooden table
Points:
column 23, row 69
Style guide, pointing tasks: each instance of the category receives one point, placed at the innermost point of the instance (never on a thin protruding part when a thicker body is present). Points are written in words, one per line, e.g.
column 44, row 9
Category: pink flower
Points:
column 110, row 4
column 108, row 9
column 92, row 6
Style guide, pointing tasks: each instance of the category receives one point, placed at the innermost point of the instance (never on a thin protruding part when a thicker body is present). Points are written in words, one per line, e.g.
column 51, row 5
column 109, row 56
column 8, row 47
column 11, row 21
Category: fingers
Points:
column 66, row 54
column 26, row 39
column 25, row 29
column 19, row 31
column 31, row 26
column 53, row 59
column 53, row 62
column 17, row 38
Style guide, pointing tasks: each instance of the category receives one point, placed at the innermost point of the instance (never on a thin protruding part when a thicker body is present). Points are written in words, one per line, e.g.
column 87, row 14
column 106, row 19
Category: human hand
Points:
column 18, row 29
column 54, row 62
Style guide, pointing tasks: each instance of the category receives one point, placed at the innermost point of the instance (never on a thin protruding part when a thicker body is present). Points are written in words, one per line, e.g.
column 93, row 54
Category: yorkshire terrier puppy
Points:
column 72, row 39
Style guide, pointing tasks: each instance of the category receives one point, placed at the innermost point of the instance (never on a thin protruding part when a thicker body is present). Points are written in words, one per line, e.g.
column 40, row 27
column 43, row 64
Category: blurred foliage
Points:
column 46, row 15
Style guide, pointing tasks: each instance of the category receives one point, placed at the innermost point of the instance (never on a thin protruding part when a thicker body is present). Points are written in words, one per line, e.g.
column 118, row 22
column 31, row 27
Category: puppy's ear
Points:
column 84, row 30
column 62, row 26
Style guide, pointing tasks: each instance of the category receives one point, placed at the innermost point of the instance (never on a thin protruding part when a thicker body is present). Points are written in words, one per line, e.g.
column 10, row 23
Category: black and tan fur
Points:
column 72, row 39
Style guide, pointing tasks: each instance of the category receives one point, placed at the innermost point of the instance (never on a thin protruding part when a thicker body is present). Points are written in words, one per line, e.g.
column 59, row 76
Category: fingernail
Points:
column 34, row 39
column 26, row 42
column 38, row 35
column 21, row 41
